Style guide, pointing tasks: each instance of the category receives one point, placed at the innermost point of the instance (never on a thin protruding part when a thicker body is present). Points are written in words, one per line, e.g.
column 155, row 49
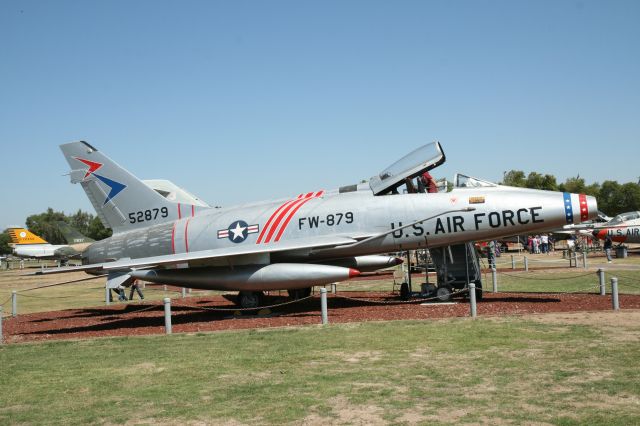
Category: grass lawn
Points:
column 563, row 369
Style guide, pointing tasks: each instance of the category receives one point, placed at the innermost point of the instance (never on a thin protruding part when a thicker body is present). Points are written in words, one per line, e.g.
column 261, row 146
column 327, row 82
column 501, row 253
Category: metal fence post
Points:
column 584, row 259
column 14, row 303
column 614, row 294
column 494, row 279
column 167, row 315
column 323, row 306
column 334, row 288
column 601, row 280
column 1, row 338
column 107, row 298
column 472, row 299
column 184, row 292
column 513, row 262
column 526, row 264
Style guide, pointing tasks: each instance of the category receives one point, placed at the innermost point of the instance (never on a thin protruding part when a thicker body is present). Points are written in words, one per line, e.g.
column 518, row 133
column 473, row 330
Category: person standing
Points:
column 608, row 243
column 491, row 253
column 122, row 297
column 135, row 287
column 544, row 243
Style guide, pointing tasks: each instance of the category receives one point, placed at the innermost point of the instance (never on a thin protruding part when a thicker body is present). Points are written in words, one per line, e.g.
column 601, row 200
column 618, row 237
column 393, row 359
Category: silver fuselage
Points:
column 499, row 211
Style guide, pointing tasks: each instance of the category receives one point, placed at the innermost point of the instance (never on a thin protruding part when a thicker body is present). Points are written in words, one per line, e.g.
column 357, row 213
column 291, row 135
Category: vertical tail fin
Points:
column 24, row 236
column 72, row 235
column 122, row 201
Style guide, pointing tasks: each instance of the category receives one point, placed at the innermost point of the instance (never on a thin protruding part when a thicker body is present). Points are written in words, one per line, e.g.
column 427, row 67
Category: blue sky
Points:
column 240, row 101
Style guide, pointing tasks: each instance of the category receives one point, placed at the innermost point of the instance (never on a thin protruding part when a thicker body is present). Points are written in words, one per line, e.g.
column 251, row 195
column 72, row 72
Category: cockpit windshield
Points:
column 410, row 166
column 464, row 181
column 624, row 217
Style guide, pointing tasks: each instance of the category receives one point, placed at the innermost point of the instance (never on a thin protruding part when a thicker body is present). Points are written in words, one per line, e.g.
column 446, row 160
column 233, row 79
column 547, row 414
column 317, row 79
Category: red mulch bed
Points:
column 188, row 314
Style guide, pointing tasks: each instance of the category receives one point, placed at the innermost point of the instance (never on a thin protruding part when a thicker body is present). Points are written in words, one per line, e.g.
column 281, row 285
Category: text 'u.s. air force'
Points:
column 456, row 223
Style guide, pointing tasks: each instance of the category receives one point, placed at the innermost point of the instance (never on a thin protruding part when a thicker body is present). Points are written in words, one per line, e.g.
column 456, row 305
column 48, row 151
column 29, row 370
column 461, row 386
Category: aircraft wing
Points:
column 203, row 255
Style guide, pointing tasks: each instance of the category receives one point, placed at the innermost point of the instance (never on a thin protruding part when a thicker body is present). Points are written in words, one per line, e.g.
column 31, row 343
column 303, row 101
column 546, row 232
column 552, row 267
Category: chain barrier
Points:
column 629, row 285
column 626, row 278
column 550, row 260
column 399, row 302
column 6, row 301
column 206, row 308
column 597, row 286
column 148, row 308
column 546, row 279
column 46, row 297
column 63, row 283
column 149, row 288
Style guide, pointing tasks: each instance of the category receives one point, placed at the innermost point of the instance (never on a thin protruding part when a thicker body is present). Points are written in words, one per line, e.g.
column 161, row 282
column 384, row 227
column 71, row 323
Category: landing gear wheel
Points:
column 443, row 294
column 250, row 299
column 478, row 291
column 404, row 291
column 299, row 293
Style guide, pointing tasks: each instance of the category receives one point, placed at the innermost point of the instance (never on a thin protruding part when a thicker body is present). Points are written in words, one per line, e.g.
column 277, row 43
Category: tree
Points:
column 97, row 231
column 574, row 185
column 514, row 178
column 629, row 198
column 5, row 239
column 45, row 226
column 80, row 221
column 537, row 181
column 607, row 197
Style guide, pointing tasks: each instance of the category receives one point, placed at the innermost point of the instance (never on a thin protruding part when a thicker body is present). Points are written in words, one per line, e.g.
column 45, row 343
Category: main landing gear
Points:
column 255, row 299
column 250, row 299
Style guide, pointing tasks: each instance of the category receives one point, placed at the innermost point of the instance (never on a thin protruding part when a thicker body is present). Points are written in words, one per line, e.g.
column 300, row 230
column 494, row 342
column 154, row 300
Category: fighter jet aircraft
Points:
column 314, row 238
column 28, row 244
column 624, row 228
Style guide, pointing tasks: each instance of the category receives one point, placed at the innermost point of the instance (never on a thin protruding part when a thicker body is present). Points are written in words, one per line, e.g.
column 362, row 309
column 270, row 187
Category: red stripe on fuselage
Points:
column 186, row 235
column 293, row 212
column 283, row 214
column 266, row 227
column 193, row 210
column 179, row 212
column 173, row 238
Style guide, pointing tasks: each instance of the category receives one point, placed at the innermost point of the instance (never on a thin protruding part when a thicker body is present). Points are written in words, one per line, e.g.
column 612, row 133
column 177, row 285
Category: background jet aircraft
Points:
column 624, row 228
column 27, row 244
column 315, row 238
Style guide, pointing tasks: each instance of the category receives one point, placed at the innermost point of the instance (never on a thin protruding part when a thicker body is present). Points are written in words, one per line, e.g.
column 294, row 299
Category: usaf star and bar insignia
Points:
column 238, row 231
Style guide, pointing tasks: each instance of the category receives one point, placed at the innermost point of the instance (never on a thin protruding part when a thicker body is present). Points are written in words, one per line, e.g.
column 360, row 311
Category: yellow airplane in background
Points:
column 27, row 244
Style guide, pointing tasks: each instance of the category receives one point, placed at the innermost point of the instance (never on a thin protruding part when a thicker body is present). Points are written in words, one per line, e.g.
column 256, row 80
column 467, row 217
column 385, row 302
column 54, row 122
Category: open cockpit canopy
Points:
column 624, row 217
column 410, row 166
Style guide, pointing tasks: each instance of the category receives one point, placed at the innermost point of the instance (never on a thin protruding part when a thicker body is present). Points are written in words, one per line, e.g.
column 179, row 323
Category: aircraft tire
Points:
column 250, row 299
column 404, row 291
column 299, row 293
column 443, row 293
